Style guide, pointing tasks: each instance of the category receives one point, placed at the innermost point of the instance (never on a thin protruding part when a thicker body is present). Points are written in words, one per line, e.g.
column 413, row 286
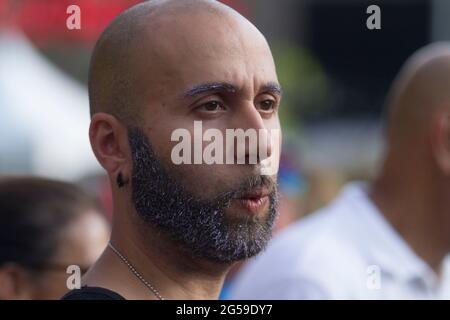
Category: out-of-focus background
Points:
column 335, row 73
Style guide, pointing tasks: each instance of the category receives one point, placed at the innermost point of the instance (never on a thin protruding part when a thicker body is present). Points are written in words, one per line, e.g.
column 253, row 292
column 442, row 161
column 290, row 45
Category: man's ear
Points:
column 109, row 141
column 14, row 283
column 441, row 141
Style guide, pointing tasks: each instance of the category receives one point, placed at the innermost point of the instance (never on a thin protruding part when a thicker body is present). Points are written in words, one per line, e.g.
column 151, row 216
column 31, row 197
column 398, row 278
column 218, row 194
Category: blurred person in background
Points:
column 46, row 226
column 386, row 240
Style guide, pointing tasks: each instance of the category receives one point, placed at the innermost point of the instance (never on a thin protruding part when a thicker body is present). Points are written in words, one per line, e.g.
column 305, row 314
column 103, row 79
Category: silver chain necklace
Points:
column 134, row 271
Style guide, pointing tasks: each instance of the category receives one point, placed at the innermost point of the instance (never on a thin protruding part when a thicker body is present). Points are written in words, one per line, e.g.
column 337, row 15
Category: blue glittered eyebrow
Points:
column 272, row 87
column 208, row 87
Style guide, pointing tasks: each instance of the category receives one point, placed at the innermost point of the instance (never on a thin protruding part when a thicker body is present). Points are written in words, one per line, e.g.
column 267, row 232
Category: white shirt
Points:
column 345, row 251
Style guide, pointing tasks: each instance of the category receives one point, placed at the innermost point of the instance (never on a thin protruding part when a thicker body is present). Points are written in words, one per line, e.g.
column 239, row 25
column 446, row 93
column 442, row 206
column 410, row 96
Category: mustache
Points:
column 255, row 182
column 250, row 183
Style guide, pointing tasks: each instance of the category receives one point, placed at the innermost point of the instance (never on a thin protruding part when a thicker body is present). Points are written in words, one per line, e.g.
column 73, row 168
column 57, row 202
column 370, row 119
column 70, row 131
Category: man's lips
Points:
column 255, row 194
column 254, row 201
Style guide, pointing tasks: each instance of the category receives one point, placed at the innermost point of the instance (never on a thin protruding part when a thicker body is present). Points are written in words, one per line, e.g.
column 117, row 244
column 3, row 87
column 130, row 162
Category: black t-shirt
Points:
column 92, row 293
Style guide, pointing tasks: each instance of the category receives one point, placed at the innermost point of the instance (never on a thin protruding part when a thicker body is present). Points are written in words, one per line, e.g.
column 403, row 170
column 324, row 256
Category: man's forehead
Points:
column 183, row 51
column 186, row 71
column 201, row 82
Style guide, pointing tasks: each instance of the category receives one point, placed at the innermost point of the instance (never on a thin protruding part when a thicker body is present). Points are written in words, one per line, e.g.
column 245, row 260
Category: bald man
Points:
column 162, row 67
column 388, row 240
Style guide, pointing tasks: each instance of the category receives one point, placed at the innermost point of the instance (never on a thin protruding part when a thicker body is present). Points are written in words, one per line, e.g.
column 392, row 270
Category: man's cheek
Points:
column 204, row 181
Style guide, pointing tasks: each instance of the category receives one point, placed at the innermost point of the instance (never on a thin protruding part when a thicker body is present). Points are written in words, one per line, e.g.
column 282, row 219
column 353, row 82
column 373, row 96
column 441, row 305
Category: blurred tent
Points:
column 44, row 115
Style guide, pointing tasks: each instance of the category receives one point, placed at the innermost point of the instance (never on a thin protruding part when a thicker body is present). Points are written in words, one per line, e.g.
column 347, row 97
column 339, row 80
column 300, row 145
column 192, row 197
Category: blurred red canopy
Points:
column 44, row 21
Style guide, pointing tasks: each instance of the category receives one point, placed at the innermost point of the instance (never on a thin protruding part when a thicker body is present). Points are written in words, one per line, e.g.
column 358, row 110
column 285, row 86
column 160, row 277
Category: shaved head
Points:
column 149, row 40
column 422, row 87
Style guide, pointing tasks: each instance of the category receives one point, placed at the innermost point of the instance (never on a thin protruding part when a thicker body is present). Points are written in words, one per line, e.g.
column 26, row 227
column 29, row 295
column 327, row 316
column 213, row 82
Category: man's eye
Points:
column 267, row 105
column 211, row 106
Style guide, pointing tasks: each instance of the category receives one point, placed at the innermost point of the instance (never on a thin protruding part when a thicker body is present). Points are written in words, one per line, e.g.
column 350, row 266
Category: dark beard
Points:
column 200, row 226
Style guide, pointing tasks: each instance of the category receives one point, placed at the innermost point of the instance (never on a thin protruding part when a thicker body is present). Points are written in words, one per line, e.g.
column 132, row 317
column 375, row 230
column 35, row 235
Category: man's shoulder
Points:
column 315, row 252
column 316, row 232
column 92, row 293
column 323, row 237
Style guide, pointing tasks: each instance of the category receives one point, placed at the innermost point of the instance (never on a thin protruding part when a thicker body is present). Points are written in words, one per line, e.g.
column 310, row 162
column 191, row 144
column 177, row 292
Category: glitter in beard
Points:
column 200, row 226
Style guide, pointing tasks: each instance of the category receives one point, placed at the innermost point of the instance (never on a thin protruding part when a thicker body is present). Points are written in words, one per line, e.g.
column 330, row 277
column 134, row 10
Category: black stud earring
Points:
column 120, row 182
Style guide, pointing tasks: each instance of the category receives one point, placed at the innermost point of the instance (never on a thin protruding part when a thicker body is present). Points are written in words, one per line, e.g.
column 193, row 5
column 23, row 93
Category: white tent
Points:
column 44, row 115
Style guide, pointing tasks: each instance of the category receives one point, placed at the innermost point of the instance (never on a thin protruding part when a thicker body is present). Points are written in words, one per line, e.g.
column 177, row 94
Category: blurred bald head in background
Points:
column 413, row 189
column 420, row 91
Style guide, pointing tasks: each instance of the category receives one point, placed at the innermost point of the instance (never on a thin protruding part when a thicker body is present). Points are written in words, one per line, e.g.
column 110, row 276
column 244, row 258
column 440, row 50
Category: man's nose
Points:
column 260, row 148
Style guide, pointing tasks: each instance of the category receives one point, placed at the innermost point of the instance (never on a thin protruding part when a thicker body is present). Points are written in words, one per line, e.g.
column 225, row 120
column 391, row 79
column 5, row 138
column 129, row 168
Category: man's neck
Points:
column 169, row 269
column 417, row 216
